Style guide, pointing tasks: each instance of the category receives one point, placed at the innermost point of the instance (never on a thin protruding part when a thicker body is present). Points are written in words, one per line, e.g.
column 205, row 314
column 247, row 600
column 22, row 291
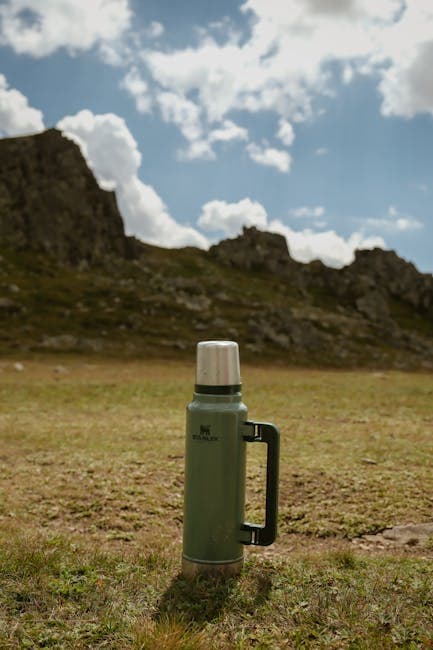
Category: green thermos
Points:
column 217, row 432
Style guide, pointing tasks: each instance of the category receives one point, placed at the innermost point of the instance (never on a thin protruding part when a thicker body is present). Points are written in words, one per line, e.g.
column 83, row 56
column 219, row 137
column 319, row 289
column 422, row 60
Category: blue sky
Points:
column 312, row 118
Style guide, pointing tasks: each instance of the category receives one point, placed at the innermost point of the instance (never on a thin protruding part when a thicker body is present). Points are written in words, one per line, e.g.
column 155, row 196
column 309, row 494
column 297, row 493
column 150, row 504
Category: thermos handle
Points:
column 265, row 535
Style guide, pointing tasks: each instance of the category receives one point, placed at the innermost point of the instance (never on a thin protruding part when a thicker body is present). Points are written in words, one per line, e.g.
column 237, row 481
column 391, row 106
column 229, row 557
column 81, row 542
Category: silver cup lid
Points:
column 218, row 363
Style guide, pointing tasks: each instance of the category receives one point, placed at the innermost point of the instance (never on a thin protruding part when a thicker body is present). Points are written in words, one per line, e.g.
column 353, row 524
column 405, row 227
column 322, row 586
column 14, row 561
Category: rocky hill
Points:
column 51, row 202
column 70, row 281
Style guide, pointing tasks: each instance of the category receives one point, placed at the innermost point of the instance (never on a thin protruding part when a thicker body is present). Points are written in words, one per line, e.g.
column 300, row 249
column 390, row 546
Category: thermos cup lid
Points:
column 218, row 364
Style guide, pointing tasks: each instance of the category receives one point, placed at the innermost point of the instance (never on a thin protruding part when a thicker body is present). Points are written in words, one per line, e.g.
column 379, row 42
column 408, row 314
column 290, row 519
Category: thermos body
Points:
column 217, row 433
column 214, row 481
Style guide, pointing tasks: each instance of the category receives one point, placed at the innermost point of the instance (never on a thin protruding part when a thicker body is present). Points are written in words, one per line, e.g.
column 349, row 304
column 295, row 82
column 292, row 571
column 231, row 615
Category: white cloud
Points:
column 321, row 151
column 228, row 131
column 106, row 143
column 112, row 54
column 197, row 149
column 230, row 217
column 177, row 109
column 121, row 52
column 380, row 10
column 181, row 111
column 270, row 157
column 305, row 245
column 283, row 63
column 347, row 74
column 201, row 148
column 407, row 57
column 408, row 223
column 395, row 221
column 147, row 217
column 187, row 115
column 40, row 27
column 306, row 211
column 135, row 85
column 285, row 132
column 112, row 153
column 328, row 246
column 16, row 116
column 211, row 70
column 155, row 29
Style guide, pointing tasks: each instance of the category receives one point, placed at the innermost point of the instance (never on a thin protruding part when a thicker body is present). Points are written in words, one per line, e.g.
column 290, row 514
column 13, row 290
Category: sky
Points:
column 309, row 118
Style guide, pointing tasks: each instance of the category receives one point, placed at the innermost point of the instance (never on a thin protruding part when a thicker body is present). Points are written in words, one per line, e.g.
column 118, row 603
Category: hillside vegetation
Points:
column 162, row 303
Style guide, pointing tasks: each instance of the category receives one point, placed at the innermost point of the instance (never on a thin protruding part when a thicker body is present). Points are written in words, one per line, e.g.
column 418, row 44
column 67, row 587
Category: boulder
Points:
column 373, row 305
column 8, row 306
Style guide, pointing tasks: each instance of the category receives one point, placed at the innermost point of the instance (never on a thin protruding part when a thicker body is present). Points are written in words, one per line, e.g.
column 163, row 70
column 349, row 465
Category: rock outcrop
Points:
column 51, row 202
column 367, row 284
column 379, row 297
column 395, row 276
column 254, row 250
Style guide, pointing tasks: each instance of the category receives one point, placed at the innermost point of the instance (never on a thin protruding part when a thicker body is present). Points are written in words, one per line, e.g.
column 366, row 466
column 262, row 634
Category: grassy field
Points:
column 91, row 479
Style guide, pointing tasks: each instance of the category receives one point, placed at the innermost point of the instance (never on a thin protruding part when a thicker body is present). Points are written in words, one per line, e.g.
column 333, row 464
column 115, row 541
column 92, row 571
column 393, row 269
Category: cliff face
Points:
column 50, row 201
column 400, row 279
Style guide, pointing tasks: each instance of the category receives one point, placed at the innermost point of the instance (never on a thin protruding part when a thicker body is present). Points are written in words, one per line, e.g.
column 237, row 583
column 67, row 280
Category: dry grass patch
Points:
column 91, row 479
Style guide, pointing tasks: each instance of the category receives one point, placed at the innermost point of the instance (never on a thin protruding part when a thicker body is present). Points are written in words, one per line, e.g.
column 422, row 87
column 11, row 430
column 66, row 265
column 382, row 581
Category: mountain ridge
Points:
column 83, row 285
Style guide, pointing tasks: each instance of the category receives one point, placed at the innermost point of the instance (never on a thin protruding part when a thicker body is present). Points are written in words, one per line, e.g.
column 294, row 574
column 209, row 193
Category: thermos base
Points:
column 191, row 569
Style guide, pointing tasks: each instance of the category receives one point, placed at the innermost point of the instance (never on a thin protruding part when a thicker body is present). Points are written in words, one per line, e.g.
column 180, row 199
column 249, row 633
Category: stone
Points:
column 9, row 306
column 67, row 342
column 220, row 323
column 94, row 344
column 61, row 370
column 199, row 303
column 374, row 305
column 61, row 342
column 410, row 534
column 200, row 327
column 187, row 285
column 401, row 535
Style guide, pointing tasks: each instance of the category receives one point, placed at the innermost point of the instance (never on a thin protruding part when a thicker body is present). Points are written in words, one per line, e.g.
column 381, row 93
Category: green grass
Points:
column 63, row 594
column 91, row 479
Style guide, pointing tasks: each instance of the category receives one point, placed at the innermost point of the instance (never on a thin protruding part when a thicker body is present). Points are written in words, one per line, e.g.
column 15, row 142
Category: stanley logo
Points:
column 205, row 434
